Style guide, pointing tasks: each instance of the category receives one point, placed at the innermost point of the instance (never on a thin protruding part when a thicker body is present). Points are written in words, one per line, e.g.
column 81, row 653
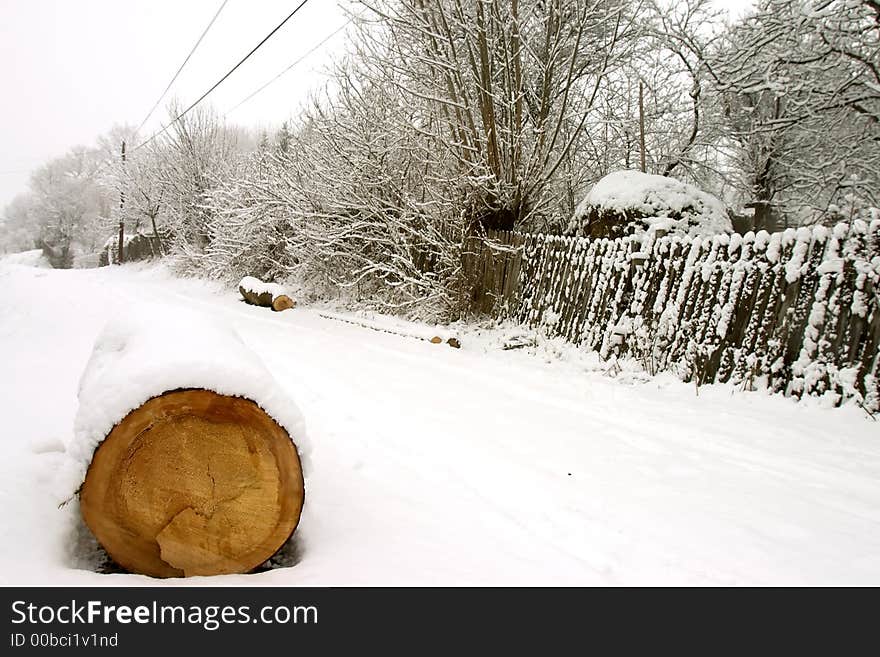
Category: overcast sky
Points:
column 71, row 69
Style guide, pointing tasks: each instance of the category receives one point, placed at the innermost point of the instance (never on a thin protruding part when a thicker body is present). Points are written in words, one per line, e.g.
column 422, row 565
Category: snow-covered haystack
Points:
column 190, row 446
column 270, row 295
column 627, row 202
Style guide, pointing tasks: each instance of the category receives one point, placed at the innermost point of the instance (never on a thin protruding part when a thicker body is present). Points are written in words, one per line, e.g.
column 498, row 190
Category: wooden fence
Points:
column 796, row 311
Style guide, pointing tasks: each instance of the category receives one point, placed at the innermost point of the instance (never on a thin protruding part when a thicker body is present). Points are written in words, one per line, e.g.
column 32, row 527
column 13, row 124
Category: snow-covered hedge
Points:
column 796, row 312
column 627, row 202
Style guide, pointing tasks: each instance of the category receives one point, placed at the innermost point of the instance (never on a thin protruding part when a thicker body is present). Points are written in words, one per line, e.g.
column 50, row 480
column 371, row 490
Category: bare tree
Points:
column 508, row 88
column 191, row 158
column 802, row 89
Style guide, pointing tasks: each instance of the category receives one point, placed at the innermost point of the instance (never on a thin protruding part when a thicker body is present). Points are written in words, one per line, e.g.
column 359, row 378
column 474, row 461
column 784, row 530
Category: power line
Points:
column 221, row 80
column 325, row 40
column 185, row 61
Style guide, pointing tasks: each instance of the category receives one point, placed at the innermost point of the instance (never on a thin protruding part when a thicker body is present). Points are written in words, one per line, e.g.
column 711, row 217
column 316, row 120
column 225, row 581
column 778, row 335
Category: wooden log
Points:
column 267, row 300
column 282, row 302
column 193, row 483
column 190, row 452
column 268, row 295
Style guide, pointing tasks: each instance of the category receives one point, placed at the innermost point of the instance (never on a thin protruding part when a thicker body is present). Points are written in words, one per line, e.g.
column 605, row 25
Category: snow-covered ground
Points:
column 433, row 465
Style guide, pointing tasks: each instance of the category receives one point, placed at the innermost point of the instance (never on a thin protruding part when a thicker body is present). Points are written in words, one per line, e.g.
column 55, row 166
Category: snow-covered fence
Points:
column 796, row 311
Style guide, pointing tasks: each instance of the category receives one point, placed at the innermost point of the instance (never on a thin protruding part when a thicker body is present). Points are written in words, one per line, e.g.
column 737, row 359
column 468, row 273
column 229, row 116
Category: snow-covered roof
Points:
column 657, row 199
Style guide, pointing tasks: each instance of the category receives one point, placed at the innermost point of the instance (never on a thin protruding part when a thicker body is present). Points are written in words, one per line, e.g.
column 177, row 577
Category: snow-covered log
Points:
column 191, row 451
column 270, row 295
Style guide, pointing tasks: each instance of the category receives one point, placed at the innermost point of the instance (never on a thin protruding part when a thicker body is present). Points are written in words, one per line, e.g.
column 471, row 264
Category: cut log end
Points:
column 193, row 483
column 282, row 302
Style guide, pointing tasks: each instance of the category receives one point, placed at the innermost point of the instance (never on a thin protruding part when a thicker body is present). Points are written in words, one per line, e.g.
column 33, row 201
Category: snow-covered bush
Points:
column 627, row 202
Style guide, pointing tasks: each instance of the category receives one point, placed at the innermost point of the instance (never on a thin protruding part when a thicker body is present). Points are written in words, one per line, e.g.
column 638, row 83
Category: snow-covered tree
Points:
column 801, row 81
column 65, row 204
column 18, row 227
column 503, row 90
column 192, row 156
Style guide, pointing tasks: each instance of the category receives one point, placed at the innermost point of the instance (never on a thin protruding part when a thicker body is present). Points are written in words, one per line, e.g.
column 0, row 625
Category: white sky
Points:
column 71, row 69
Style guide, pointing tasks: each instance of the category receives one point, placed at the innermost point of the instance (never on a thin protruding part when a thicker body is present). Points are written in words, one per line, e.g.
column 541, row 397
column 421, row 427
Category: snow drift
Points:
column 33, row 258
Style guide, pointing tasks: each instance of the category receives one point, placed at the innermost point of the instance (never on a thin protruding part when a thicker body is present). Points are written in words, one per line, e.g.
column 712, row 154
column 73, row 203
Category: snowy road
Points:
column 474, row 466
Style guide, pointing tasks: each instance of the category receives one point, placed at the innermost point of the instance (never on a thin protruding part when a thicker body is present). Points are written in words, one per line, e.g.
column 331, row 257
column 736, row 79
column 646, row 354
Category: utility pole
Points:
column 642, row 122
column 121, row 253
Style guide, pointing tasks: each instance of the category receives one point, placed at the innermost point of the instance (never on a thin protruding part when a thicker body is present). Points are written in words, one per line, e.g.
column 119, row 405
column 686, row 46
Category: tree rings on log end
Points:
column 282, row 302
column 193, row 483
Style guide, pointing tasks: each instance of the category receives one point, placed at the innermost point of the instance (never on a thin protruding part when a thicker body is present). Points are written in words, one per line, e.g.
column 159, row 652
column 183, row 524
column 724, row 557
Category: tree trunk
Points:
column 642, row 163
column 156, row 231
column 193, row 483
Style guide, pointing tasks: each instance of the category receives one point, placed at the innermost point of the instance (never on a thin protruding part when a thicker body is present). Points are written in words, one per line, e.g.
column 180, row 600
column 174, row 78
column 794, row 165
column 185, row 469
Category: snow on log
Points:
column 269, row 295
column 191, row 452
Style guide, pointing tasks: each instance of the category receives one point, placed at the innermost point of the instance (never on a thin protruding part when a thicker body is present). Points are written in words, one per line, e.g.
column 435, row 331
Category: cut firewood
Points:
column 270, row 295
column 193, row 483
